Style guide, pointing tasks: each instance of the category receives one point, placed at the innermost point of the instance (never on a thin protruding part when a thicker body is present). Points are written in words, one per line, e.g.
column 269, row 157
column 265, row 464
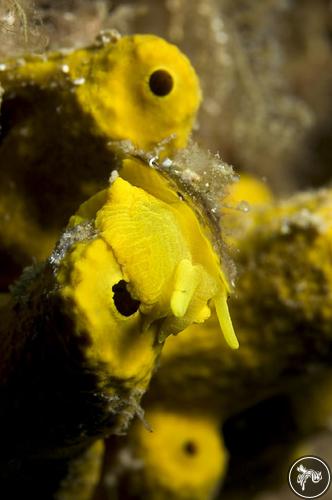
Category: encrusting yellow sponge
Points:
column 63, row 116
column 183, row 458
column 137, row 87
column 249, row 189
column 82, row 331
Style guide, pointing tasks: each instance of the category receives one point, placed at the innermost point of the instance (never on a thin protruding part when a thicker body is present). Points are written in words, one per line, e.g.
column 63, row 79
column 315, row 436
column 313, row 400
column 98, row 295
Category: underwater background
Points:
column 265, row 69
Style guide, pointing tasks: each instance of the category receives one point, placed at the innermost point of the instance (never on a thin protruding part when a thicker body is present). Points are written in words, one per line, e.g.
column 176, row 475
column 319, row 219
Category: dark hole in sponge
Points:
column 123, row 301
column 190, row 448
column 161, row 82
column 14, row 109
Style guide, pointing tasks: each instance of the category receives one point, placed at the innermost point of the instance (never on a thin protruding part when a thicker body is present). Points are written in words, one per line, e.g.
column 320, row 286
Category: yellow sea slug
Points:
column 61, row 115
column 179, row 271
